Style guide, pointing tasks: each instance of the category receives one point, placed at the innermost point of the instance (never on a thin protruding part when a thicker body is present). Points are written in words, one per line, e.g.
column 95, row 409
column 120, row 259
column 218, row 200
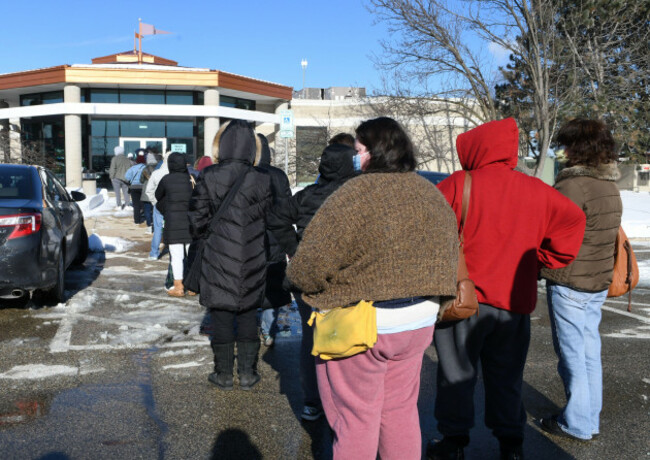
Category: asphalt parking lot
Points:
column 120, row 370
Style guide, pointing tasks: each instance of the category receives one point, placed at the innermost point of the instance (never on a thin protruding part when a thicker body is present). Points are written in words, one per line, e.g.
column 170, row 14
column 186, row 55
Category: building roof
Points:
column 121, row 69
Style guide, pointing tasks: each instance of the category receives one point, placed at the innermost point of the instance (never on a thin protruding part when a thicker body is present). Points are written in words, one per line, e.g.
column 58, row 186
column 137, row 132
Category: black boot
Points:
column 450, row 448
column 247, row 364
column 224, row 358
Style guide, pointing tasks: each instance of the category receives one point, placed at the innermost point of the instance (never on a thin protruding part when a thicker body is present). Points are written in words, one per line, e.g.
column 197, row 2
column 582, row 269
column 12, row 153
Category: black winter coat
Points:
column 275, row 295
column 233, row 268
column 335, row 168
column 174, row 192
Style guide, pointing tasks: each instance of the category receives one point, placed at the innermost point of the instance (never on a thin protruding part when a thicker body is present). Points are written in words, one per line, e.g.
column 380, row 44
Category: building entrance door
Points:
column 131, row 144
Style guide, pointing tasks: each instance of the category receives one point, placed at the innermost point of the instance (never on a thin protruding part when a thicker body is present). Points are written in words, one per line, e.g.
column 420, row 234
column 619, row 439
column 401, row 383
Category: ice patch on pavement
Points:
column 37, row 371
column 167, row 354
column 183, row 365
column 97, row 243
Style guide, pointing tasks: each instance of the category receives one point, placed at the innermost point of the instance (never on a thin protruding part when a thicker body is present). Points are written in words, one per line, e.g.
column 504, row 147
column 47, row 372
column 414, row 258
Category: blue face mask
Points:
column 356, row 160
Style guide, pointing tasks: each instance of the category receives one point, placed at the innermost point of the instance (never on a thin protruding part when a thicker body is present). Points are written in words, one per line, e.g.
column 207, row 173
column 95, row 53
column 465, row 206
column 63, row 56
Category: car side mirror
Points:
column 78, row 196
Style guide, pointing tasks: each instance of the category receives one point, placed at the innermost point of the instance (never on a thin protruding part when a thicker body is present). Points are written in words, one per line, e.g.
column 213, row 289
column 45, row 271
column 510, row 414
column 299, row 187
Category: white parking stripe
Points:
column 627, row 313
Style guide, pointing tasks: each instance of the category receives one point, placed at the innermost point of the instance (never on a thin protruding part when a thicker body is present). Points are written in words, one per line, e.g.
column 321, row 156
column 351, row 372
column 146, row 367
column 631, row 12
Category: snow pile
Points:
column 98, row 243
column 102, row 205
column 636, row 214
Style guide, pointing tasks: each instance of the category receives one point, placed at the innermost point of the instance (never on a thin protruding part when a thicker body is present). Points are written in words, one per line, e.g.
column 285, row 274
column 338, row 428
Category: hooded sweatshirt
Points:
column 155, row 178
column 233, row 271
column 336, row 167
column 515, row 223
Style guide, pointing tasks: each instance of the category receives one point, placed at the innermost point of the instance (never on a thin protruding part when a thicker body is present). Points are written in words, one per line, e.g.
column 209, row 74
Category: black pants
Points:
column 500, row 340
column 136, row 194
column 223, row 326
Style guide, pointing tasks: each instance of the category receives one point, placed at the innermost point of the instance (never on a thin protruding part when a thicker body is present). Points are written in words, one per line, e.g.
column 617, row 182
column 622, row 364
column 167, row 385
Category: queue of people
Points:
column 371, row 230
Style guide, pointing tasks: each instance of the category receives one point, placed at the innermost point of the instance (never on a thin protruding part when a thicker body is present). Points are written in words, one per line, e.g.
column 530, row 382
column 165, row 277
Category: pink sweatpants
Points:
column 370, row 399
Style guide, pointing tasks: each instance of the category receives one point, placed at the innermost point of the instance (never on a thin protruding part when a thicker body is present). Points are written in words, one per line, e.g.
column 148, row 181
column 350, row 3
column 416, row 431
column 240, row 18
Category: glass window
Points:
column 180, row 97
column 180, row 129
column 142, row 128
column 15, row 183
column 104, row 96
column 139, row 96
column 105, row 127
column 237, row 103
column 309, row 142
column 51, row 97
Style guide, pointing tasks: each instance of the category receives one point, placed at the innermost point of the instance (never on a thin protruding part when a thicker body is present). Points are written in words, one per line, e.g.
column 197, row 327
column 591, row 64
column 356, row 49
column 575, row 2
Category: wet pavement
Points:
column 120, row 371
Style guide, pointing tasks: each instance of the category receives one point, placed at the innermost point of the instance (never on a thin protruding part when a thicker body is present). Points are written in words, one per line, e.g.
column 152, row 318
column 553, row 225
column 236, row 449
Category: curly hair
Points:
column 587, row 142
column 391, row 149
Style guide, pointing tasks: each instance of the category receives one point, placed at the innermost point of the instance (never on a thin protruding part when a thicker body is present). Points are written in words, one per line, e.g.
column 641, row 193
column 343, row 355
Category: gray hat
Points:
column 119, row 150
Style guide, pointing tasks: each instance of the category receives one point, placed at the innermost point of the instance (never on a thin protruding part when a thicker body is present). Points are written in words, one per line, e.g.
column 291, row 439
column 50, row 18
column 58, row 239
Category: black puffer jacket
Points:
column 280, row 189
column 175, row 191
column 233, row 268
column 335, row 168
column 275, row 296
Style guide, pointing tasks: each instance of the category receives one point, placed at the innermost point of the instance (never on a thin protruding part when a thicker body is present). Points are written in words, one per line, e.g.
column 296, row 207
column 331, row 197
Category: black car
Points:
column 434, row 177
column 42, row 232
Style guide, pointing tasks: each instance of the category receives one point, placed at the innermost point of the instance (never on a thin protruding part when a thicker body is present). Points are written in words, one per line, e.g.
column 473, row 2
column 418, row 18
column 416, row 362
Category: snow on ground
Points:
column 644, row 273
column 636, row 214
column 97, row 243
column 37, row 371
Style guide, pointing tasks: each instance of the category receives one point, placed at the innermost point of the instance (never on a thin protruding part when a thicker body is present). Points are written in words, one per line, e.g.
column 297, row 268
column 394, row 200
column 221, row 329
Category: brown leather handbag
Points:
column 465, row 304
column 626, row 270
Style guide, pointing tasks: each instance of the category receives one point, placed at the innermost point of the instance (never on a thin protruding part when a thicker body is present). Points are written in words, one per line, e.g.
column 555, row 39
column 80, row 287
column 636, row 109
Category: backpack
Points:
column 626, row 270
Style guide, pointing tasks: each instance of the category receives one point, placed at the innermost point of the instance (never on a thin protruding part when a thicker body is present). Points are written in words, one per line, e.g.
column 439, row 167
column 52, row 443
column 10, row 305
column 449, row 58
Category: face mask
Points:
column 356, row 160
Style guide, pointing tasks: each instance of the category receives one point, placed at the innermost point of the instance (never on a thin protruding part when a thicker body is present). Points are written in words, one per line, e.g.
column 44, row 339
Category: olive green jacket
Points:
column 594, row 190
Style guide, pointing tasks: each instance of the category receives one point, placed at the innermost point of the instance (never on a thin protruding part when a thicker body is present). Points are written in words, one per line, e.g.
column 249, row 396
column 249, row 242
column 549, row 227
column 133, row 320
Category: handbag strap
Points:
column 228, row 199
column 467, row 187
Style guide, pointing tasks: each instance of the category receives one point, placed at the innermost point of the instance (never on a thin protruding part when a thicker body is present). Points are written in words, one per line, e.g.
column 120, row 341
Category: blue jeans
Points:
column 148, row 213
column 157, row 233
column 269, row 318
column 575, row 317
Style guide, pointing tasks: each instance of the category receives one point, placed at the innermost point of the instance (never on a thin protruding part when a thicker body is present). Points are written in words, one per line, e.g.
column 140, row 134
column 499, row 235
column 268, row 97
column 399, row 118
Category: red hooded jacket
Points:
column 515, row 223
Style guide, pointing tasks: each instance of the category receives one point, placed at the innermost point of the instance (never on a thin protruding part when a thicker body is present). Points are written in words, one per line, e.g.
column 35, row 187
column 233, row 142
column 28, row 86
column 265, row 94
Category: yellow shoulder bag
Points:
column 344, row 331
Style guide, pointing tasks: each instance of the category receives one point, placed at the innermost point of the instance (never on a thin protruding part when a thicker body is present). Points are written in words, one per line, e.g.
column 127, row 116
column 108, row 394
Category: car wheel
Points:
column 82, row 250
column 55, row 294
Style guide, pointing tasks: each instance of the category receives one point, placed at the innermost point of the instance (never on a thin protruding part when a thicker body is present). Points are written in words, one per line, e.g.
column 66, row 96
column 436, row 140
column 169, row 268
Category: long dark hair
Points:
column 589, row 142
column 391, row 149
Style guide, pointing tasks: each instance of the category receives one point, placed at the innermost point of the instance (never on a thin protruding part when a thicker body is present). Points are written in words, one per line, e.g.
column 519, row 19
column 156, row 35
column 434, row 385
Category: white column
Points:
column 72, row 93
column 5, row 150
column 15, row 143
column 211, row 124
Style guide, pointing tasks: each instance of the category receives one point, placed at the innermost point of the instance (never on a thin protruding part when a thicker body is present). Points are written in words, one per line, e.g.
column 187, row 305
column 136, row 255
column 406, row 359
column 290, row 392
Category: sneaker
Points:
column 311, row 413
column 123, row 205
column 450, row 448
column 153, row 258
column 267, row 340
column 148, row 231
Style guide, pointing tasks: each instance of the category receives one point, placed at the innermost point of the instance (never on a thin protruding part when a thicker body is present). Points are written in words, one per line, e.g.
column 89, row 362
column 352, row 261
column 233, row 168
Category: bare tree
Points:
column 432, row 125
column 444, row 45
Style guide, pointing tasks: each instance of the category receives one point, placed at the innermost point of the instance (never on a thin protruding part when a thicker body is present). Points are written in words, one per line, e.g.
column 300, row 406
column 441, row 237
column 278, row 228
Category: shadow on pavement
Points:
column 284, row 358
column 234, row 444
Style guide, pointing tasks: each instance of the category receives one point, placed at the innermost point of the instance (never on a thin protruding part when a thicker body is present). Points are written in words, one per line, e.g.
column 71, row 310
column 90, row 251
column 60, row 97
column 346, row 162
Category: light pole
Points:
column 303, row 64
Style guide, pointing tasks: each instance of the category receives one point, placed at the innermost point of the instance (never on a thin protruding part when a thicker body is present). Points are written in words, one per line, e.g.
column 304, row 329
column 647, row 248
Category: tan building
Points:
column 70, row 117
column 319, row 114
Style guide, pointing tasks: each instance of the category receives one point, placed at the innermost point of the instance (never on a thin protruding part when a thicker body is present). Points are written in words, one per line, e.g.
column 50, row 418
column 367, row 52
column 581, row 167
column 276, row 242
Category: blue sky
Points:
column 260, row 39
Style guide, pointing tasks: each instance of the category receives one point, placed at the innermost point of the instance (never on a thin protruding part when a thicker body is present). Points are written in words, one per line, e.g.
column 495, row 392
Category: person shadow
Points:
column 284, row 359
column 234, row 444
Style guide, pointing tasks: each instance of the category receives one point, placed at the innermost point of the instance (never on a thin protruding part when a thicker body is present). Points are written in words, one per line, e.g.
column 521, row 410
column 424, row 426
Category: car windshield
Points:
column 15, row 183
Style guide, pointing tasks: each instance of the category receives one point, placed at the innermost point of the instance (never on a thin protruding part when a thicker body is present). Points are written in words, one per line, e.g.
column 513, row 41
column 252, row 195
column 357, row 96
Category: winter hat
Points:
column 203, row 163
column 129, row 156
column 119, row 150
